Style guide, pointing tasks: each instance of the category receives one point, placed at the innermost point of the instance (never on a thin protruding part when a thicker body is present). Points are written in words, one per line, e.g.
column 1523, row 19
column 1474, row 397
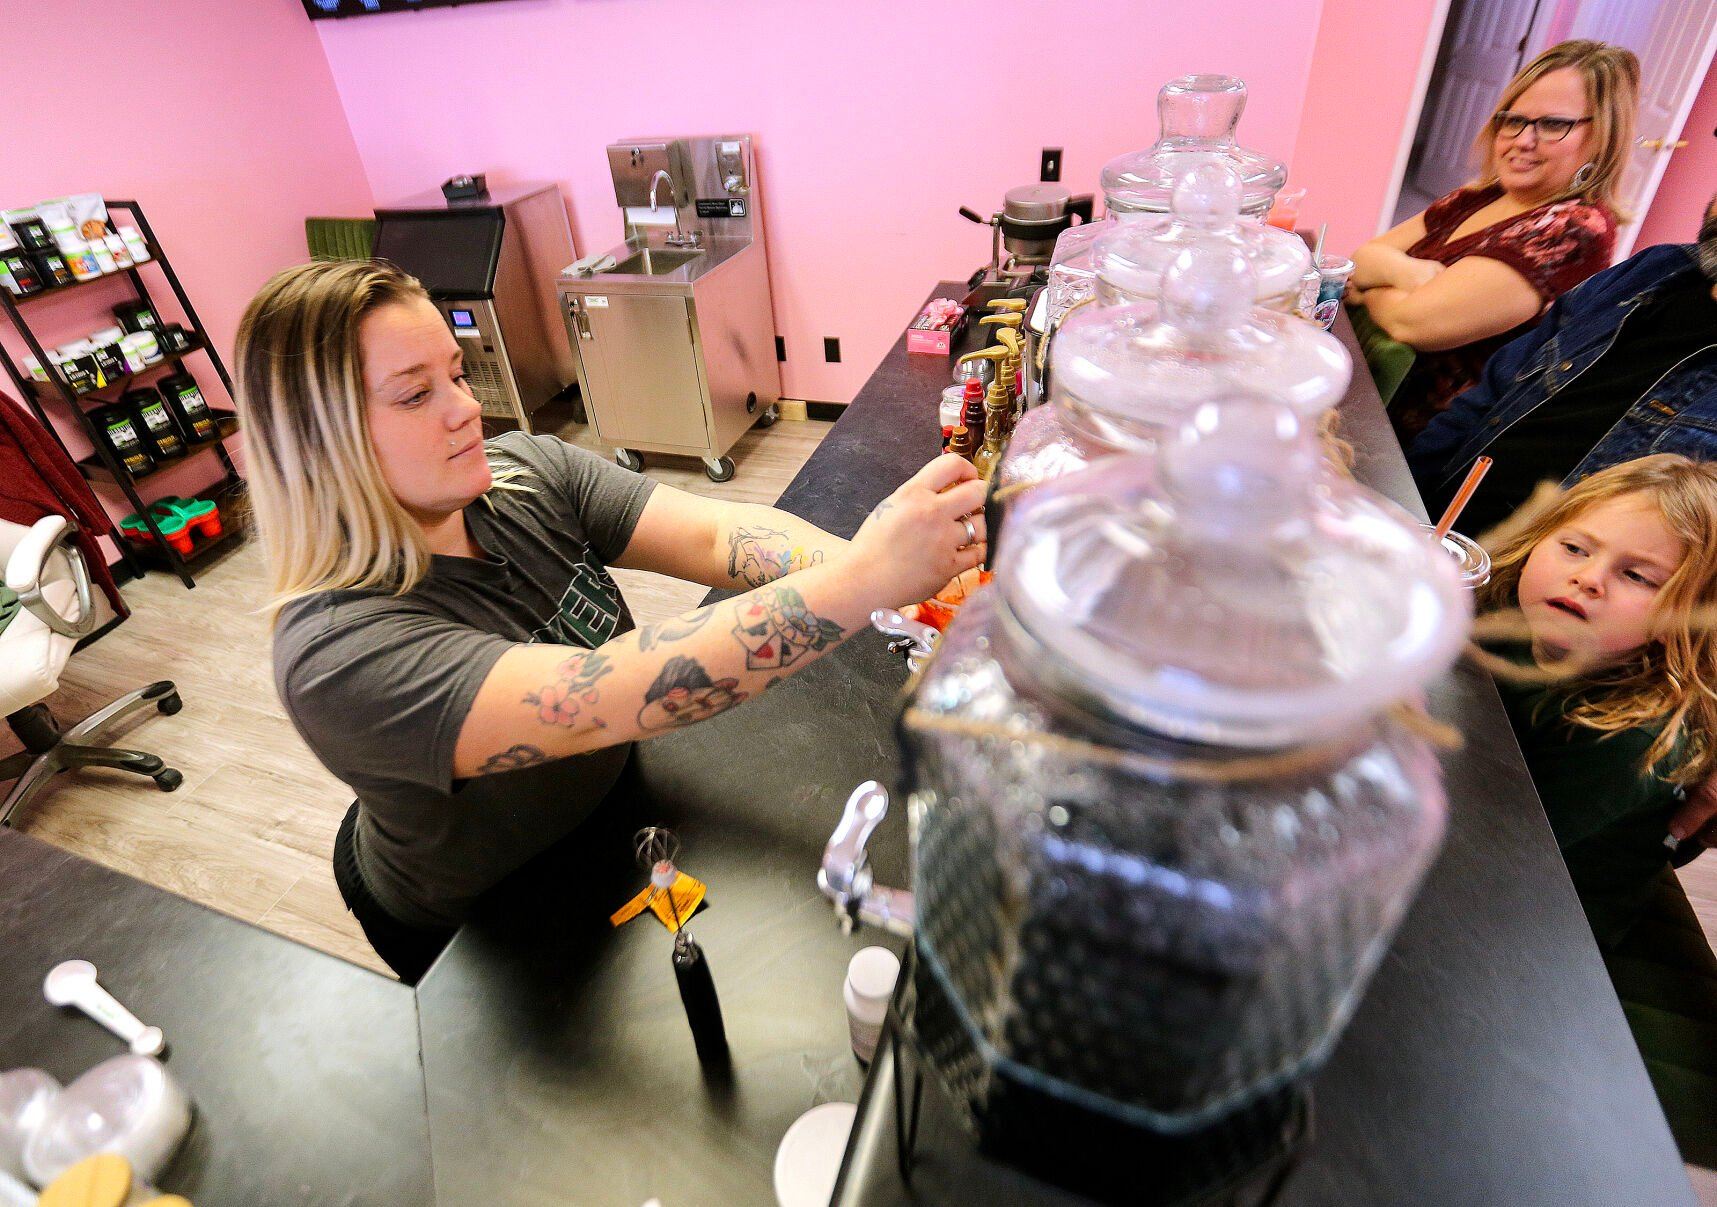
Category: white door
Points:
column 1482, row 55
column 1674, row 40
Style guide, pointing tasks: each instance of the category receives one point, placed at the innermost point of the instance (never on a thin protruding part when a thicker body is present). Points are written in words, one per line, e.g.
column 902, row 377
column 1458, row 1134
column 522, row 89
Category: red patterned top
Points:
column 1554, row 246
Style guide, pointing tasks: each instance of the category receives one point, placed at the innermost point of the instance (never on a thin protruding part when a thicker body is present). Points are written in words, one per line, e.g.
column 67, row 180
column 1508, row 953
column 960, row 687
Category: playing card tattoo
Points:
column 684, row 693
column 761, row 555
column 777, row 629
column 561, row 702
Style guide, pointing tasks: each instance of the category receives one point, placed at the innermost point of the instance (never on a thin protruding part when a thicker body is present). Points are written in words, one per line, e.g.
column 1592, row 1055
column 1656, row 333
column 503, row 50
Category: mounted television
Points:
column 323, row 10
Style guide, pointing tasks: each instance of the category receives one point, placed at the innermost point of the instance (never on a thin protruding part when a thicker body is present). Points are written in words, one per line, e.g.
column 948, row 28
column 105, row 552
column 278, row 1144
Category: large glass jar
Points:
column 1165, row 822
column 1132, row 259
column 1121, row 376
column 1198, row 115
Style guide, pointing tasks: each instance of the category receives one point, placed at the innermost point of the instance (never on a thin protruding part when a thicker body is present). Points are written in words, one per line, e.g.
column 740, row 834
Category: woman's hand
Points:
column 1416, row 272
column 917, row 539
column 1698, row 817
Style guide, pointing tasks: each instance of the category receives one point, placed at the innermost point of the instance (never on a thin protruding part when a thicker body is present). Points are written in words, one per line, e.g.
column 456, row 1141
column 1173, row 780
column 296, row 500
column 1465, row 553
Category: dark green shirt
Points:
column 379, row 684
column 1609, row 817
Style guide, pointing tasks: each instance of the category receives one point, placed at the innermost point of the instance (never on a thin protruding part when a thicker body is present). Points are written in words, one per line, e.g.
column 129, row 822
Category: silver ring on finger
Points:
column 971, row 532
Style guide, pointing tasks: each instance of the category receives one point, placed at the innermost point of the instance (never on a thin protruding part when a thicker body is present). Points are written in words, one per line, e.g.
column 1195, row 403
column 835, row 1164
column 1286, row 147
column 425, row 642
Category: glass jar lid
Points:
column 1229, row 590
column 1132, row 258
column 1122, row 375
column 1198, row 116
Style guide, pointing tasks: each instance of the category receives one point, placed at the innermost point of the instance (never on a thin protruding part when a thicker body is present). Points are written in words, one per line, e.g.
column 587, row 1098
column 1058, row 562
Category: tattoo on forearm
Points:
column 777, row 629
column 684, row 694
column 761, row 555
column 560, row 703
column 674, row 629
column 513, row 758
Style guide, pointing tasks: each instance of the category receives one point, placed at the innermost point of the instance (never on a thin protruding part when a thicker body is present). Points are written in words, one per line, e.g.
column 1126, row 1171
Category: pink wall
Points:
column 222, row 120
column 1690, row 178
column 1363, row 91
column 868, row 119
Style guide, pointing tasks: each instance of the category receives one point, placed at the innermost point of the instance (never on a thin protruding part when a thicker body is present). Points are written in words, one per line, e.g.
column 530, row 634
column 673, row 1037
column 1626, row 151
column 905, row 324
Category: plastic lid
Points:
column 1131, row 259
column 1252, row 599
column 1198, row 114
column 127, row 1105
column 25, row 1096
column 1123, row 375
column 872, row 973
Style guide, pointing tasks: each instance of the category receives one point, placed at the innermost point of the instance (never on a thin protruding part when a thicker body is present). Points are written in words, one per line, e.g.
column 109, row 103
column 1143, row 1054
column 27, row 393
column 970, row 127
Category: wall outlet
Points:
column 831, row 350
column 1050, row 168
column 780, row 348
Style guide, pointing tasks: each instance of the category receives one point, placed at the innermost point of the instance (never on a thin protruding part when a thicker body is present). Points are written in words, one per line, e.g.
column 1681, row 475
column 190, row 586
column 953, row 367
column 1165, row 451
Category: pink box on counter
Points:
column 936, row 328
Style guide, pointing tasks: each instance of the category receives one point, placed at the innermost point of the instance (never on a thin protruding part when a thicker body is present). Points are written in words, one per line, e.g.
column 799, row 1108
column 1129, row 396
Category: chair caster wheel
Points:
column 718, row 471
column 169, row 704
column 625, row 458
column 769, row 416
column 167, row 779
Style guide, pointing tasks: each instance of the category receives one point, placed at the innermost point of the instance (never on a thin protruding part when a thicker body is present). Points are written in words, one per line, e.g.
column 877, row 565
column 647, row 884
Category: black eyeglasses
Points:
column 1548, row 129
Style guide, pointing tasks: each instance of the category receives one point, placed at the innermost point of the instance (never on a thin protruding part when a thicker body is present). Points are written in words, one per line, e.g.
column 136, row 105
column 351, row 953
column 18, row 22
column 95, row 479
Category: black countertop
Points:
column 303, row 1068
column 1489, row 1063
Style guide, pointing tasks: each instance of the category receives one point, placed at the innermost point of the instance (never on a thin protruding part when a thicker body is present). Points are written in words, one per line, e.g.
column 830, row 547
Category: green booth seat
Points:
column 1388, row 359
column 1666, row 977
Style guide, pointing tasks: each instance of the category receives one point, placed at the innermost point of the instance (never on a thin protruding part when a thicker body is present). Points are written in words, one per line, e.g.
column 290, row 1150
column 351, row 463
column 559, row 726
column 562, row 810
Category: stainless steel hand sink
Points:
column 653, row 262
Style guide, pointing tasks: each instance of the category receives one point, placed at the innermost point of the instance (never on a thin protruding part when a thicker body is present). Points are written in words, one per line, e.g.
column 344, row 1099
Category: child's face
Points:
column 1588, row 589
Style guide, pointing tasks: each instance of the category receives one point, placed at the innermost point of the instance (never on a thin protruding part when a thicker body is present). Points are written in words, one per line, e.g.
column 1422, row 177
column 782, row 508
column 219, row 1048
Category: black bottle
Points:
column 186, row 402
column 118, row 430
column 155, row 423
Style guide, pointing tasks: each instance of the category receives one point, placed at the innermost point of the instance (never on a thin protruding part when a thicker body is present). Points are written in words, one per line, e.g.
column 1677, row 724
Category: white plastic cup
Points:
column 870, row 984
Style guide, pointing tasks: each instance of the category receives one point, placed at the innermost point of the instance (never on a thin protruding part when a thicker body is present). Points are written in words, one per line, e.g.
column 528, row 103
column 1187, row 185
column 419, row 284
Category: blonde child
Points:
column 1616, row 582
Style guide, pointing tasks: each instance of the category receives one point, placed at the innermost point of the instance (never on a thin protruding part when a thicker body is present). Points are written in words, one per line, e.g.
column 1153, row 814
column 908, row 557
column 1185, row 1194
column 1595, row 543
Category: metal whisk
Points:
column 656, row 848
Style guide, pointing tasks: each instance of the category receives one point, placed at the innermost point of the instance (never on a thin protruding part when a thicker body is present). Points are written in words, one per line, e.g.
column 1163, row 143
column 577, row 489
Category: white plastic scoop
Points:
column 73, row 983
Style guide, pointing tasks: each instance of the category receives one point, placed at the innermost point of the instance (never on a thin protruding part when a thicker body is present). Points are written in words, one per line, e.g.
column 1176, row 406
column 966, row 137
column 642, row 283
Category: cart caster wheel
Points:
column 769, row 416
column 627, row 459
column 718, row 471
column 169, row 704
column 167, row 779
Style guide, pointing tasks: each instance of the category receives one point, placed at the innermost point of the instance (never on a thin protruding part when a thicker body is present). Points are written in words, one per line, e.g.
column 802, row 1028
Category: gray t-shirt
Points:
column 379, row 685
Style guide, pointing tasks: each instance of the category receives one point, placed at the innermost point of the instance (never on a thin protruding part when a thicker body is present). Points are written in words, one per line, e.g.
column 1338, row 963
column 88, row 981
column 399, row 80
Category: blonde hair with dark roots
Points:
column 1672, row 679
column 327, row 518
column 1611, row 74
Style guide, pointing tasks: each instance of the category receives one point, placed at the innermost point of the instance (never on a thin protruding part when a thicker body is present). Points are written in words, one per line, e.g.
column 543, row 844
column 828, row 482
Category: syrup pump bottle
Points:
column 998, row 414
column 1010, row 320
column 1010, row 339
column 977, row 418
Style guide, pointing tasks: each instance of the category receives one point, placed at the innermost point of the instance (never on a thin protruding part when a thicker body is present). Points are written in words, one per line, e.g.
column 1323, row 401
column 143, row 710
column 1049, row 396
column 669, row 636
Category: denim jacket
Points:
column 1677, row 415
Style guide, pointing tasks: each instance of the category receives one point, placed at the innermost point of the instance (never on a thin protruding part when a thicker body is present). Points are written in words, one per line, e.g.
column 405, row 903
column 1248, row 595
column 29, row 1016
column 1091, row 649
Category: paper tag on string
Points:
column 687, row 893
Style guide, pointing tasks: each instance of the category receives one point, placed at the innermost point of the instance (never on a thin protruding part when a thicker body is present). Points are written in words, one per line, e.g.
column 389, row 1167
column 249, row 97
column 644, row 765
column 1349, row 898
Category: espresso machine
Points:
column 1023, row 235
column 489, row 262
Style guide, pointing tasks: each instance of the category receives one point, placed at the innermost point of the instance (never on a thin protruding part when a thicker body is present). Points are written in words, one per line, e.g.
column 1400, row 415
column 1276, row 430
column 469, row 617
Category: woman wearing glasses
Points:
column 1468, row 274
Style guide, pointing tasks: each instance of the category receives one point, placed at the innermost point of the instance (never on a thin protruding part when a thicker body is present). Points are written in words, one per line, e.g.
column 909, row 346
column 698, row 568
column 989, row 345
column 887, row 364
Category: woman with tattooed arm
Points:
column 447, row 637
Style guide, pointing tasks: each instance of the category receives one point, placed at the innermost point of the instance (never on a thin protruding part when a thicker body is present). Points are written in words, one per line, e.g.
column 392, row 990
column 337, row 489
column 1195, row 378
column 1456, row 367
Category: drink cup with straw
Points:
column 1468, row 554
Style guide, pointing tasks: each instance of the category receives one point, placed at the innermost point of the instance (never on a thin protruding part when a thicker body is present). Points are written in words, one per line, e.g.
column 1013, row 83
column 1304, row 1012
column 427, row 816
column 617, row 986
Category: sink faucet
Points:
column 678, row 238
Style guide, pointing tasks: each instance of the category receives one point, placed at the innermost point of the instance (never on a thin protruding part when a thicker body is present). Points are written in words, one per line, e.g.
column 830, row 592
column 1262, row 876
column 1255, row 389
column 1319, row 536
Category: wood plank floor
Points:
column 250, row 831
